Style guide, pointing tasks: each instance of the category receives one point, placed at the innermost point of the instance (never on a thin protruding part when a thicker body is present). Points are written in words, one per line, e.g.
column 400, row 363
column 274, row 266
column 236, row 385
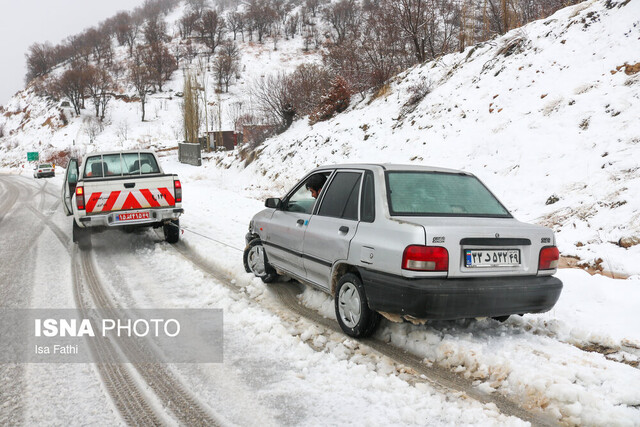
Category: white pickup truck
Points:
column 125, row 189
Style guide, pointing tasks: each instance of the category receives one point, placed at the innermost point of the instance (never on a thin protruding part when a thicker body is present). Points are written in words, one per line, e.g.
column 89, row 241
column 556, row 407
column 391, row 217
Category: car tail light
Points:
column 39, row 170
column 177, row 190
column 80, row 197
column 549, row 257
column 425, row 258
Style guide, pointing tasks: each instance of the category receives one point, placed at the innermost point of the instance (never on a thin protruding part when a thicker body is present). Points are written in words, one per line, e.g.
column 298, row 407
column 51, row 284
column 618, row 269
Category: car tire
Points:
column 501, row 319
column 354, row 316
column 82, row 236
column 171, row 231
column 255, row 261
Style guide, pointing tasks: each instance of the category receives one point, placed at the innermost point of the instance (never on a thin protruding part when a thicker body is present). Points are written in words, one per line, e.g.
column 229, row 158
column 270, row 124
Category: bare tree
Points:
column 236, row 23
column 127, row 29
column 211, row 27
column 274, row 98
column 160, row 63
column 187, row 24
column 155, row 31
column 282, row 97
column 344, row 18
column 99, row 85
column 227, row 64
column 197, row 6
column 313, row 6
column 140, row 76
column 72, row 84
column 261, row 15
column 235, row 112
column 39, row 60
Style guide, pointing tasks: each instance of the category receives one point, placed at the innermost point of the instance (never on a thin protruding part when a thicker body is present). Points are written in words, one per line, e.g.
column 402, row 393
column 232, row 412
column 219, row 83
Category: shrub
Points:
column 334, row 102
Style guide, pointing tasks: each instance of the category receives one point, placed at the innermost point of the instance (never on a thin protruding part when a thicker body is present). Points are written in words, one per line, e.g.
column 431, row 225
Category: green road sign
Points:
column 33, row 156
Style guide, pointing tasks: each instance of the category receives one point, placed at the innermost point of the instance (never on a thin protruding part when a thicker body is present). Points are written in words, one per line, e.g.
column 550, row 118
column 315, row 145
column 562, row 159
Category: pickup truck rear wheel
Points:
column 171, row 231
column 82, row 236
column 255, row 261
column 352, row 311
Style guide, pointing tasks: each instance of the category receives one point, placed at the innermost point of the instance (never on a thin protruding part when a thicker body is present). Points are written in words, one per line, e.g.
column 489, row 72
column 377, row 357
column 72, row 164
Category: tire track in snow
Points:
column 441, row 378
column 125, row 392
column 19, row 247
column 8, row 198
column 167, row 388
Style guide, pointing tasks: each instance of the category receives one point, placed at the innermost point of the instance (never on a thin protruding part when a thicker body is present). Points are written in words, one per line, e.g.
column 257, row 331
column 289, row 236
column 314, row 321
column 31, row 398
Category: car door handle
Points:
column 129, row 185
column 344, row 229
column 301, row 222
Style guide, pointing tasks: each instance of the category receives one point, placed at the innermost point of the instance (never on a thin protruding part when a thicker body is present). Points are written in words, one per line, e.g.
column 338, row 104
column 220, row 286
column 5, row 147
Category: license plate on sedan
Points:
column 133, row 216
column 476, row 258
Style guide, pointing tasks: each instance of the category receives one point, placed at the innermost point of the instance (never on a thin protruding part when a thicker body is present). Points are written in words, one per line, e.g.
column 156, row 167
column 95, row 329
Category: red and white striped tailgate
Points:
column 130, row 199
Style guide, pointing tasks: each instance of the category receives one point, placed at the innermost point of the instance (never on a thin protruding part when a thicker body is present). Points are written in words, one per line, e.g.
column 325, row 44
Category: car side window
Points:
column 341, row 198
column 302, row 199
column 368, row 206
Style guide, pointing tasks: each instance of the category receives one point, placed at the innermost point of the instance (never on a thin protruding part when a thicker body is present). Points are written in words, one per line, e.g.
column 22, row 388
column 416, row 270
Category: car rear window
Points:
column 125, row 164
column 441, row 194
column 45, row 165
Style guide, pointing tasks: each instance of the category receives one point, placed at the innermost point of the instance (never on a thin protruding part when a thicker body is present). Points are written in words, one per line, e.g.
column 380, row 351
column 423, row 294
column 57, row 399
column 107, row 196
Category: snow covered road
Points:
column 284, row 363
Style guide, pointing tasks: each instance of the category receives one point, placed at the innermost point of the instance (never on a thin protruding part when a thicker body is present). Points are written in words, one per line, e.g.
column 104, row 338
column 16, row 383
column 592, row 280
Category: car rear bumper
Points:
column 110, row 219
column 447, row 299
column 45, row 174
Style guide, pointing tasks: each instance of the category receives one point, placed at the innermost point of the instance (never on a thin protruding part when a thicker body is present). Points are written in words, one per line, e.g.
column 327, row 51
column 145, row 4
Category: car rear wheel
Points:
column 82, row 236
column 255, row 261
column 171, row 231
column 352, row 311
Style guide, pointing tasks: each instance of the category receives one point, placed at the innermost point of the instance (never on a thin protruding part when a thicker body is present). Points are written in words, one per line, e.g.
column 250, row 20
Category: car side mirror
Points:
column 273, row 203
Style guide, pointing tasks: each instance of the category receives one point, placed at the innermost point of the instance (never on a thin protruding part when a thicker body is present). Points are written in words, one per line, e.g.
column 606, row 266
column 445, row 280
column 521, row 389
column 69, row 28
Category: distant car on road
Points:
column 44, row 170
column 408, row 242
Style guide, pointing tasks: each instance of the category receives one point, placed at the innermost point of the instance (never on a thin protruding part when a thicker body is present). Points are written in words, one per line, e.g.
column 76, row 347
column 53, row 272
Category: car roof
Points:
column 391, row 167
column 104, row 153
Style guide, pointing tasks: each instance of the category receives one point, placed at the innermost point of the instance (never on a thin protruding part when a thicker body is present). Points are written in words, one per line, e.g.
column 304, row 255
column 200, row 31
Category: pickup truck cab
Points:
column 125, row 189
column 411, row 243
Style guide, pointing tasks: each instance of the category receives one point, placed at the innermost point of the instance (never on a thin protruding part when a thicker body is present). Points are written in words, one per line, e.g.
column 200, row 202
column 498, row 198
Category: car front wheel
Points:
column 255, row 261
column 352, row 311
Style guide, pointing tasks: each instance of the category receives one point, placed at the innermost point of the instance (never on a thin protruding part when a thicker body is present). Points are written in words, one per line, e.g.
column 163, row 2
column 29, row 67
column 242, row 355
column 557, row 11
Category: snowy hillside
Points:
column 32, row 123
column 547, row 111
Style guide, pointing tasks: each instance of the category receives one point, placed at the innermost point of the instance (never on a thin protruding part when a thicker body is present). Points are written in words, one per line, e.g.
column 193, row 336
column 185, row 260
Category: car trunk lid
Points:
column 483, row 247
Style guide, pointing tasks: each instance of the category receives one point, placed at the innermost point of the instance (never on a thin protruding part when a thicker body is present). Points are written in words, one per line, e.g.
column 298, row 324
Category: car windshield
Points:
column 441, row 194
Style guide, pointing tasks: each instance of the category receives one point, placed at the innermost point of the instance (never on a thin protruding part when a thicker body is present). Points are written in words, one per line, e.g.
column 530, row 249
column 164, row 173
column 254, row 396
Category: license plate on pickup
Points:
column 133, row 216
column 476, row 258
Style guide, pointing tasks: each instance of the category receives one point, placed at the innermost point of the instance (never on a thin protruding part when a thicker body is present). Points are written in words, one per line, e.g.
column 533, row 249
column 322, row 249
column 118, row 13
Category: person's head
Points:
column 315, row 183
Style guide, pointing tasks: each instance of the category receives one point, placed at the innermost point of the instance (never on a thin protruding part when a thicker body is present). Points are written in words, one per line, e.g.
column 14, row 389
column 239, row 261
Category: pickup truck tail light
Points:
column 549, row 257
column 80, row 197
column 425, row 258
column 177, row 190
